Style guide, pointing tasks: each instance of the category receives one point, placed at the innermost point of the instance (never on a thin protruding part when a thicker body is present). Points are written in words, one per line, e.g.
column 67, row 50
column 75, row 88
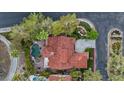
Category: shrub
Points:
column 85, row 25
column 89, row 75
column 45, row 73
column 75, row 74
column 17, row 77
column 40, row 35
column 116, row 47
column 115, row 67
column 92, row 35
column 15, row 53
column 90, row 63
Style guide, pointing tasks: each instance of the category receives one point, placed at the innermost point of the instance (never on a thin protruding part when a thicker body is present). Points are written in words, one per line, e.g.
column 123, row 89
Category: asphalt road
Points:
column 9, row 19
column 102, row 21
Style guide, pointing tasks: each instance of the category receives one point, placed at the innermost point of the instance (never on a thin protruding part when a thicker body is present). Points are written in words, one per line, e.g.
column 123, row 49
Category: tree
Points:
column 89, row 75
column 92, row 34
column 66, row 25
column 75, row 74
column 17, row 77
column 116, row 47
column 15, row 53
column 45, row 73
column 115, row 67
column 22, row 35
column 57, row 28
column 41, row 35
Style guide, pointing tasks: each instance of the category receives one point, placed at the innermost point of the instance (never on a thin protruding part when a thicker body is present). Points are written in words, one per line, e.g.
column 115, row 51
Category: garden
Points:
column 116, row 48
column 115, row 65
column 37, row 27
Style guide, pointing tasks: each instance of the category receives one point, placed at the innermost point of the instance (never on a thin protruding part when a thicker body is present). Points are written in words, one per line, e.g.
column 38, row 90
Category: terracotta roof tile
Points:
column 79, row 60
column 47, row 51
column 60, row 51
column 60, row 77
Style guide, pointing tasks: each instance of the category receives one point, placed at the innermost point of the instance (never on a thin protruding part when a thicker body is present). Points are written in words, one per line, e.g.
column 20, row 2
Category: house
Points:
column 79, row 60
column 61, row 54
column 55, row 77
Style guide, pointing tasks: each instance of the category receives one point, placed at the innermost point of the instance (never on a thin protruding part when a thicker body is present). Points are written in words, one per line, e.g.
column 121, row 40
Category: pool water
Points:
column 35, row 50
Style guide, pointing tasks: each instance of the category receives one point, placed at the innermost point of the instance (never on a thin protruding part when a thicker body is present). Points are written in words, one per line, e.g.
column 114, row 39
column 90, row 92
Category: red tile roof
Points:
column 79, row 60
column 47, row 51
column 60, row 77
column 60, row 60
column 60, row 51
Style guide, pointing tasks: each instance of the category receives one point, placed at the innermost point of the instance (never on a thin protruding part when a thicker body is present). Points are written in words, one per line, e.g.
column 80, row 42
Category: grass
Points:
column 29, row 67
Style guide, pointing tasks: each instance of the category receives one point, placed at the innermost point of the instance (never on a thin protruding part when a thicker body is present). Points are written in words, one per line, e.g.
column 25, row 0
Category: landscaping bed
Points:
column 91, row 58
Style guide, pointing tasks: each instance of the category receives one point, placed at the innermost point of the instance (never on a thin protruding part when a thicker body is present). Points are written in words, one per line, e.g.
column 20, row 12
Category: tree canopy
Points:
column 36, row 25
column 115, row 67
column 66, row 25
column 89, row 75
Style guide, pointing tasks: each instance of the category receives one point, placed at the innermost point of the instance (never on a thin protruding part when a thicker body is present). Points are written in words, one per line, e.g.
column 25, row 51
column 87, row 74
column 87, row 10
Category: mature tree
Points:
column 76, row 74
column 115, row 67
column 22, row 35
column 41, row 35
column 57, row 28
column 89, row 75
column 66, row 25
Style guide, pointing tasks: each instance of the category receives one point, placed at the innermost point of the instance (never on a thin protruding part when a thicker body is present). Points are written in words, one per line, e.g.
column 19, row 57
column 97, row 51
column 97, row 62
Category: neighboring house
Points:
column 60, row 78
column 61, row 54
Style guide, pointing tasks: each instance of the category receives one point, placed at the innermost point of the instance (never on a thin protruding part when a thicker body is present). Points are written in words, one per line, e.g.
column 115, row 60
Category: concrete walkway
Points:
column 6, row 29
column 82, row 44
column 13, row 67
